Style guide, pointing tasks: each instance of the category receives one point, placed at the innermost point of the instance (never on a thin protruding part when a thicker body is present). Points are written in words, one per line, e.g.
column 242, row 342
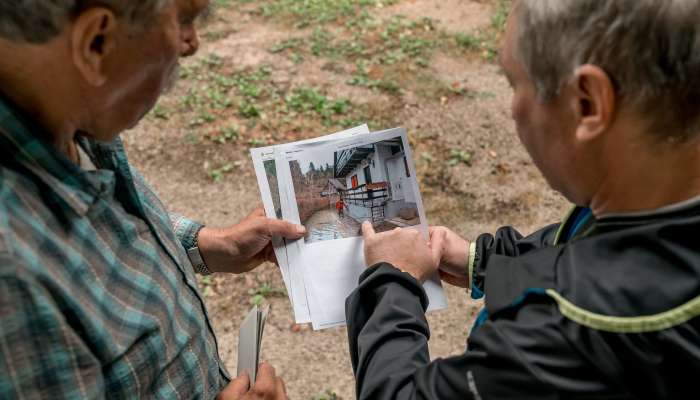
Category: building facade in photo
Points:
column 378, row 183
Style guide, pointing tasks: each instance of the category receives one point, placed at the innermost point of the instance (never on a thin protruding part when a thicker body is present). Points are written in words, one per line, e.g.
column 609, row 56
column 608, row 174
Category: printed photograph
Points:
column 271, row 173
column 337, row 191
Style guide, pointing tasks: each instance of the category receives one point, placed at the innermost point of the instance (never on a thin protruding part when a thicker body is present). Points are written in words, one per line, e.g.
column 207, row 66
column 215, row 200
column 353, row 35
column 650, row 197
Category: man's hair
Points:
column 37, row 21
column 649, row 48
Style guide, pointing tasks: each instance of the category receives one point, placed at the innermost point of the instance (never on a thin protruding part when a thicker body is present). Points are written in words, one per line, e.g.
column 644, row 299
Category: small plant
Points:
column 263, row 292
column 218, row 174
column 311, row 101
column 226, row 134
column 160, row 112
column 206, row 284
column 287, row 44
column 256, row 142
column 468, row 41
column 327, row 395
column 460, row 156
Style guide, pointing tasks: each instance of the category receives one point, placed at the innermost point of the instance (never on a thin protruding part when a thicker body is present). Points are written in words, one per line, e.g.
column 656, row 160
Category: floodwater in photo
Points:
column 328, row 225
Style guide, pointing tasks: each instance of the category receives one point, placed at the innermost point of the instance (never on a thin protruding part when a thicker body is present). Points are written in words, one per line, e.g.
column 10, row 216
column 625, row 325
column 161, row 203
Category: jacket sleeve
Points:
column 506, row 242
column 41, row 355
column 521, row 358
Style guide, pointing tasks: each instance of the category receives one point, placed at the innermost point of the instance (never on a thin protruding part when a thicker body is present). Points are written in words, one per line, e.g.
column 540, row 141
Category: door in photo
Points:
column 397, row 177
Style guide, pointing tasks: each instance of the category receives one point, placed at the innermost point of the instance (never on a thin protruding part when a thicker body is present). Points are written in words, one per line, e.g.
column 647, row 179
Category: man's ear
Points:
column 595, row 101
column 93, row 39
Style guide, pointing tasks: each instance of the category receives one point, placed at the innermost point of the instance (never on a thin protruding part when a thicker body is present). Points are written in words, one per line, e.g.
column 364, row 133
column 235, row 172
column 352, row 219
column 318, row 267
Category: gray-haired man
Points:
column 604, row 305
column 98, row 296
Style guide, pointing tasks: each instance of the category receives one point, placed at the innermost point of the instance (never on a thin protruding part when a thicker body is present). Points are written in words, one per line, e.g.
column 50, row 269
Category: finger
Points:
column 237, row 388
column 437, row 244
column 367, row 230
column 435, row 229
column 287, row 230
column 281, row 389
column 265, row 381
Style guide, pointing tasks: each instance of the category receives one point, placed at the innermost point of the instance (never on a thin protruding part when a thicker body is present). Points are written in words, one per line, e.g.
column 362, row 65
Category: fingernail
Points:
column 301, row 229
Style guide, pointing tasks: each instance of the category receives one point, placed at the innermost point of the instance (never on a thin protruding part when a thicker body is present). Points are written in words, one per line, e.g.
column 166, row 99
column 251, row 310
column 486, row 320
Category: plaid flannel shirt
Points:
column 97, row 296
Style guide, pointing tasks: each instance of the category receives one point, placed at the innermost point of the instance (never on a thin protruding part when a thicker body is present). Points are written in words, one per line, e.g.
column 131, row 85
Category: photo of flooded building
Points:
column 378, row 184
column 337, row 191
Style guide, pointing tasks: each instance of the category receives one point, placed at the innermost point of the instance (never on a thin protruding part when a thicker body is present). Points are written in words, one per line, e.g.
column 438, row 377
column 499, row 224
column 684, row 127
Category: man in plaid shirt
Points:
column 98, row 296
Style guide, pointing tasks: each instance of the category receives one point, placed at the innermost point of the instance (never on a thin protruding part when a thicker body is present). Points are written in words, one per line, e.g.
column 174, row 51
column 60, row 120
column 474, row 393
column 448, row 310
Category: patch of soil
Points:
column 454, row 16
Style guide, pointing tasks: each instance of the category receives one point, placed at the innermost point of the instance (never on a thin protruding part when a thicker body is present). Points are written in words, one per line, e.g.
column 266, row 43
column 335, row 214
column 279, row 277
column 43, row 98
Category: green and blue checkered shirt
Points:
column 97, row 296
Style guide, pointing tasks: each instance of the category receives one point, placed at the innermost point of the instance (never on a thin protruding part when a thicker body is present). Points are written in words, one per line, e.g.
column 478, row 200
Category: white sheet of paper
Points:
column 294, row 284
column 331, row 267
column 250, row 341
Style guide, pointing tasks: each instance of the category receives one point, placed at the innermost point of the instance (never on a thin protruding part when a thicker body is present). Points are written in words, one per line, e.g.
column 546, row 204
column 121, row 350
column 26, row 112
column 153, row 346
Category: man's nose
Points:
column 190, row 42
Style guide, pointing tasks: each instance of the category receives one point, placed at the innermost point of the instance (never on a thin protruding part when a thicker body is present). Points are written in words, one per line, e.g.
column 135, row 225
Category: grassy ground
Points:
column 273, row 71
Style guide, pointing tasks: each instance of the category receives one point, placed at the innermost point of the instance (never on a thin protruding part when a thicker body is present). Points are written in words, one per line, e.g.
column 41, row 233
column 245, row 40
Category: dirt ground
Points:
column 273, row 71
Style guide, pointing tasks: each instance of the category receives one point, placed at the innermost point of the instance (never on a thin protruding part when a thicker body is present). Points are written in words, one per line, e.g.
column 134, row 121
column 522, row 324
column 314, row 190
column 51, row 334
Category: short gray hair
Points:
column 37, row 21
column 649, row 48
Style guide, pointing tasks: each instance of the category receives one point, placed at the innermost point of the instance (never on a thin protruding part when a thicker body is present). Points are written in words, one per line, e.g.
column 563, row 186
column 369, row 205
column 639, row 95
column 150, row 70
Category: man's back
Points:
column 605, row 308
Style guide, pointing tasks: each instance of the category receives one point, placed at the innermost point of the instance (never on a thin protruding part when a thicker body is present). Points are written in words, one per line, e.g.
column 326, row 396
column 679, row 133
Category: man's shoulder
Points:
column 21, row 205
column 643, row 269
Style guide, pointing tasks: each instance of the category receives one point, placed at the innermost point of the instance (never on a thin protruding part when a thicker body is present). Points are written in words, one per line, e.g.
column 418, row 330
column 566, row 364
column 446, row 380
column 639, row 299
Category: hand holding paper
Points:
column 406, row 250
column 454, row 259
column 267, row 387
column 245, row 245
column 331, row 186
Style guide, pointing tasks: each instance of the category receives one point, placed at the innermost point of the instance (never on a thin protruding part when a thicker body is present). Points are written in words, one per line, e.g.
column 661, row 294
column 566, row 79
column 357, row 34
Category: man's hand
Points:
column 267, row 387
column 454, row 260
column 405, row 249
column 246, row 245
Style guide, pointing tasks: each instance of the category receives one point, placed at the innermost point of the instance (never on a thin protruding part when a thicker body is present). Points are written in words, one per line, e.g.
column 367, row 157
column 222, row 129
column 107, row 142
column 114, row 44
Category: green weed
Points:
column 327, row 395
column 460, row 156
column 217, row 175
column 265, row 291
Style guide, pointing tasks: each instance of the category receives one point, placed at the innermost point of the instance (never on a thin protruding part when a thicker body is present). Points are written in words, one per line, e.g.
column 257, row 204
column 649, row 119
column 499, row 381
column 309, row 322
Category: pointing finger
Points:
column 367, row 230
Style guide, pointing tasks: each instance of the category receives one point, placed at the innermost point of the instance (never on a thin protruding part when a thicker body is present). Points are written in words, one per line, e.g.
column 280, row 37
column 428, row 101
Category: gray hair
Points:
column 649, row 48
column 37, row 21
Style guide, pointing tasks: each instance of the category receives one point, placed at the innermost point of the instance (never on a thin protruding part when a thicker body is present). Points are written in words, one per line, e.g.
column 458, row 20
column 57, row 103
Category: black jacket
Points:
column 610, row 313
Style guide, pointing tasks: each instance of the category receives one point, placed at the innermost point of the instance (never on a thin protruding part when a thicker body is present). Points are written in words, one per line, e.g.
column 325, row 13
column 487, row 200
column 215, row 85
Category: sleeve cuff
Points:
column 186, row 230
column 476, row 293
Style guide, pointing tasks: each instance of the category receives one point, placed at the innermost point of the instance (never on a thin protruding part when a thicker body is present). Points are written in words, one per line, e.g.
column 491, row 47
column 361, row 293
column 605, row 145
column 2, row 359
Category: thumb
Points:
column 367, row 230
column 288, row 230
column 437, row 243
column 237, row 388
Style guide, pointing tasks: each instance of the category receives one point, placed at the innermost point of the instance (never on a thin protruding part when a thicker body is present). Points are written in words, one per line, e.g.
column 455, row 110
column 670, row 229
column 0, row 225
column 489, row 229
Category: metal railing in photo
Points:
column 373, row 196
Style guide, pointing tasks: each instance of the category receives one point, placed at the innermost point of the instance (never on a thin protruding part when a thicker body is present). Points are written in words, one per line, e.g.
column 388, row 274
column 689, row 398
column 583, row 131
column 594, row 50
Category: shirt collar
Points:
column 20, row 142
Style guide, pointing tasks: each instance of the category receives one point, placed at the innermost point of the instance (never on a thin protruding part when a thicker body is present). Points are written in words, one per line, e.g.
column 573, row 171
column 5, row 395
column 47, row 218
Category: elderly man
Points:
column 98, row 296
column 605, row 304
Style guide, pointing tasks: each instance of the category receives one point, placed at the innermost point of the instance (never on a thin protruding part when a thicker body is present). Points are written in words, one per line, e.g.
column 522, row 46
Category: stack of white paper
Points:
column 331, row 185
column 250, row 342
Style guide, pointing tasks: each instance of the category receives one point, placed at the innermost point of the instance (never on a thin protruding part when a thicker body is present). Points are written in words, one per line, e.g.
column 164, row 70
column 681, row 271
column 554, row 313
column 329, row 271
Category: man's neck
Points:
column 646, row 180
column 36, row 90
